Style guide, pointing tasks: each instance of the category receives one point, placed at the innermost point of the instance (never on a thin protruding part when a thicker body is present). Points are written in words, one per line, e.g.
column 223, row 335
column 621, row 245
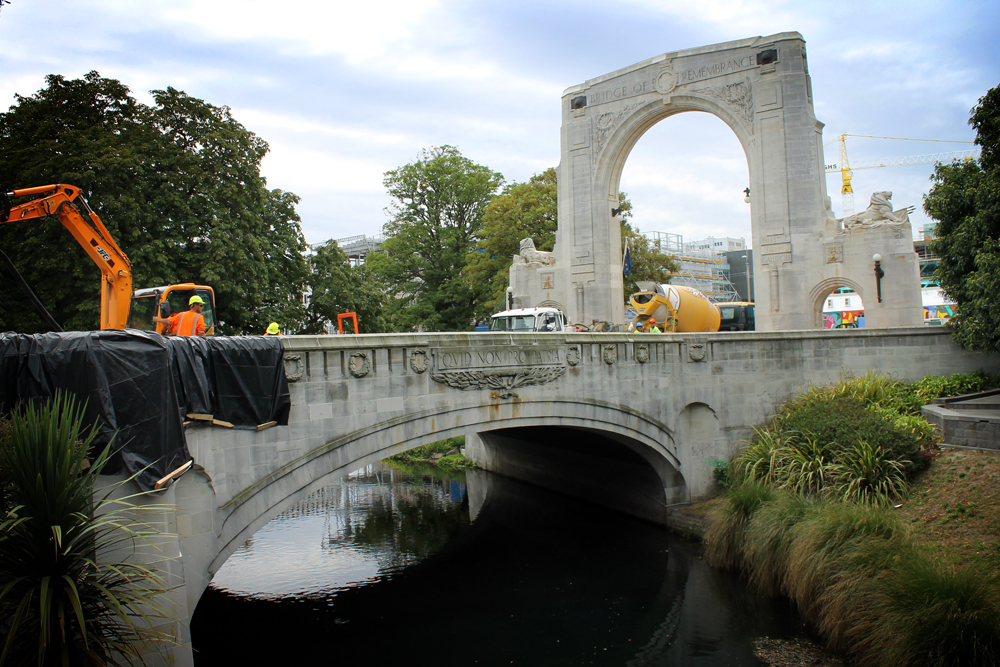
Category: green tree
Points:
column 337, row 287
column 965, row 201
column 177, row 184
column 439, row 201
column 523, row 210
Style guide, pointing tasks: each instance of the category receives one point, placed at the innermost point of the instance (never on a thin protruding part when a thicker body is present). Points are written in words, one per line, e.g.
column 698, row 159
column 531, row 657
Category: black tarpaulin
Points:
column 140, row 385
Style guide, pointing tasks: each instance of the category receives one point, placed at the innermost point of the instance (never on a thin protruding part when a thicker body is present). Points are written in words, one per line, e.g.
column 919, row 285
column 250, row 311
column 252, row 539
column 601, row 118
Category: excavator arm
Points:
column 65, row 203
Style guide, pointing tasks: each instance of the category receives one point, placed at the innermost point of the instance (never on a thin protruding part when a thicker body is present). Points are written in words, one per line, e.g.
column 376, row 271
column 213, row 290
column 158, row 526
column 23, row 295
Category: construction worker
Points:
column 652, row 326
column 189, row 323
column 273, row 329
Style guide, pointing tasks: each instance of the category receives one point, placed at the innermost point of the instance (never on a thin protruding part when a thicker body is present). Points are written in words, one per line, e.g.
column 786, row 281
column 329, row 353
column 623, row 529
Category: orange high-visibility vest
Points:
column 188, row 323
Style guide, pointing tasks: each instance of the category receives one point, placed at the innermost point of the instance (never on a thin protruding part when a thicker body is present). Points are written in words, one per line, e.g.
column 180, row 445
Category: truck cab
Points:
column 529, row 320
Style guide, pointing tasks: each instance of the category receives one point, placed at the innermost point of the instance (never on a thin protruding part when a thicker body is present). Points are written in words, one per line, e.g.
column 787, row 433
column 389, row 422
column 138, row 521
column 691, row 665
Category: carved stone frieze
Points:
column 738, row 96
column 502, row 380
column 359, row 365
column 298, row 367
column 696, row 351
column 834, row 252
column 573, row 355
column 418, row 361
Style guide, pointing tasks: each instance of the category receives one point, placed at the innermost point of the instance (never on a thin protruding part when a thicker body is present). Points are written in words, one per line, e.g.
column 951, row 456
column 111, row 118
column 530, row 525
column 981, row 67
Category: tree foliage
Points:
column 337, row 287
column 177, row 184
column 965, row 201
column 439, row 201
column 523, row 210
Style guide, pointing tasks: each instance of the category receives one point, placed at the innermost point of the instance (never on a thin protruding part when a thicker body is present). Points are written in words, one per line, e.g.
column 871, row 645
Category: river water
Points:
column 391, row 568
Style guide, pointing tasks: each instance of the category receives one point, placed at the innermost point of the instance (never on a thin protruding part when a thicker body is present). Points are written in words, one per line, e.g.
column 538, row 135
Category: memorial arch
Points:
column 760, row 88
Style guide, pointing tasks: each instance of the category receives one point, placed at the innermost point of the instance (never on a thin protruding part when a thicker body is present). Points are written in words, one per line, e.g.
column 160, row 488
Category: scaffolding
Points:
column 702, row 270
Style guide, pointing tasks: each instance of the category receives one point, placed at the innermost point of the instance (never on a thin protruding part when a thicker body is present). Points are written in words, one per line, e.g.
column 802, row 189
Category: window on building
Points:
column 829, row 303
column 847, row 302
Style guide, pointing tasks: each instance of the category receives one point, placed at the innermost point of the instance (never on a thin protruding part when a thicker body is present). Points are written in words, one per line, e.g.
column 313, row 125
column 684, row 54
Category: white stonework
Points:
column 681, row 402
column 760, row 88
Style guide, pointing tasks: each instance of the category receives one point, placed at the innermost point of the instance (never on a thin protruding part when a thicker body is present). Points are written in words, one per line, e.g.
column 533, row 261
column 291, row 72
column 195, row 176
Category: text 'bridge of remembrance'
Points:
column 667, row 409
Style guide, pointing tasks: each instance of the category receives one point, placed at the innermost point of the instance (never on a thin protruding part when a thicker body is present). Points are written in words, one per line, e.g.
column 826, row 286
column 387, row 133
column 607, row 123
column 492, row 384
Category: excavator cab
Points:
column 168, row 300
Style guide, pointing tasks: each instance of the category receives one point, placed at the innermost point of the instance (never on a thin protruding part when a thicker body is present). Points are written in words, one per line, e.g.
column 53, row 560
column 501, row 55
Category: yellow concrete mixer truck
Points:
column 675, row 308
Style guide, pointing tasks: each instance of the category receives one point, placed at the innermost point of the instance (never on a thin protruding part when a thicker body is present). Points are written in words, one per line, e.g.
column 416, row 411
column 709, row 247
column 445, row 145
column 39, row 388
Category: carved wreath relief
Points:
column 642, row 353
column 610, row 354
column 359, row 364
column 503, row 382
column 418, row 361
column 696, row 352
column 500, row 369
column 573, row 355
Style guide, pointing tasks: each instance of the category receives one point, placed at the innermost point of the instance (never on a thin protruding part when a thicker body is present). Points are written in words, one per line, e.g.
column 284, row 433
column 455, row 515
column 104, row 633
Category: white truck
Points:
column 529, row 320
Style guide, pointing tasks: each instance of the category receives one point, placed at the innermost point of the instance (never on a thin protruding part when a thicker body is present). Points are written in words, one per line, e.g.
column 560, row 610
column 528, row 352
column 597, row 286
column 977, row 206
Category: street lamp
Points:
column 746, row 200
column 510, row 298
column 879, row 275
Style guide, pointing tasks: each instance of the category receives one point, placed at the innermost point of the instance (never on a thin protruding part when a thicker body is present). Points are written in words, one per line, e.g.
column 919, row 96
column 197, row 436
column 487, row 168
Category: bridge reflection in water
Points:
column 387, row 568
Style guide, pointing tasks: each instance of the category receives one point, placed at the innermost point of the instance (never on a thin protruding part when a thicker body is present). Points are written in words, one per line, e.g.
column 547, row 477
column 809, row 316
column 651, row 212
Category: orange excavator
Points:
column 121, row 307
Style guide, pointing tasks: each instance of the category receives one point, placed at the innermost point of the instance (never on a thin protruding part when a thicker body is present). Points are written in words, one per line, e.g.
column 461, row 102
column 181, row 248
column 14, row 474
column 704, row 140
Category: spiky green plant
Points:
column 803, row 467
column 865, row 475
column 758, row 460
column 60, row 604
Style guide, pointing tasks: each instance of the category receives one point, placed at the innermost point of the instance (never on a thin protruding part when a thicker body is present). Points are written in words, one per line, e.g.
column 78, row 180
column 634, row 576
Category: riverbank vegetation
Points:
column 60, row 604
column 445, row 454
column 828, row 505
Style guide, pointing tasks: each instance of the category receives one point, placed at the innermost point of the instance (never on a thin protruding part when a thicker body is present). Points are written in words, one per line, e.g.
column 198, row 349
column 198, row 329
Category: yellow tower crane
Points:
column 846, row 170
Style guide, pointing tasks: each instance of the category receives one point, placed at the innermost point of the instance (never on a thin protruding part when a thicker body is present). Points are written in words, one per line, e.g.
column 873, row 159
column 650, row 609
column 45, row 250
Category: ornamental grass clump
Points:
column 768, row 538
column 927, row 615
column 724, row 538
column 59, row 603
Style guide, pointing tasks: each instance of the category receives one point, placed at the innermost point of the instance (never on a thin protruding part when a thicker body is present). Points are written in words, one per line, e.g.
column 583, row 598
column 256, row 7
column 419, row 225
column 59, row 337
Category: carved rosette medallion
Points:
column 359, row 365
column 573, row 355
column 666, row 80
column 642, row 353
column 294, row 367
column 610, row 354
column 696, row 351
column 418, row 361
column 503, row 381
column 737, row 96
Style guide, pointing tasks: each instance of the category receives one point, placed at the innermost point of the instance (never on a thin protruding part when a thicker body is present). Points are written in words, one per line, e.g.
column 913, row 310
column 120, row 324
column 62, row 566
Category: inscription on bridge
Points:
column 500, row 369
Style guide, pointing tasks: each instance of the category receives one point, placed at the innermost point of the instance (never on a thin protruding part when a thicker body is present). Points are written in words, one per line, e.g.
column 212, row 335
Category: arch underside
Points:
column 277, row 492
column 821, row 290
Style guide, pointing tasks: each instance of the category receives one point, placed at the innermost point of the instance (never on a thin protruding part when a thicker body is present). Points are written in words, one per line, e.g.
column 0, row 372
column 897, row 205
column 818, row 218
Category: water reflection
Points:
column 535, row 579
column 375, row 522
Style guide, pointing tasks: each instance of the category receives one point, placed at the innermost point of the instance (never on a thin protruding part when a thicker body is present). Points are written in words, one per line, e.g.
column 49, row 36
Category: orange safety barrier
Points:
column 346, row 316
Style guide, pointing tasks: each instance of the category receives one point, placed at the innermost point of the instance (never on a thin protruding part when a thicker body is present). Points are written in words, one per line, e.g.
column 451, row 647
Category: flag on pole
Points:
column 627, row 259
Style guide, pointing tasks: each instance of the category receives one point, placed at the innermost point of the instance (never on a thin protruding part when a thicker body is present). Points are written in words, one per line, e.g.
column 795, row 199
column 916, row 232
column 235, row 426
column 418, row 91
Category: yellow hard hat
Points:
column 272, row 328
column 196, row 299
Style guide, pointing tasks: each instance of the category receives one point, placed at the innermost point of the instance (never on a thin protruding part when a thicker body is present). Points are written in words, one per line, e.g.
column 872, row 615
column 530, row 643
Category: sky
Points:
column 345, row 91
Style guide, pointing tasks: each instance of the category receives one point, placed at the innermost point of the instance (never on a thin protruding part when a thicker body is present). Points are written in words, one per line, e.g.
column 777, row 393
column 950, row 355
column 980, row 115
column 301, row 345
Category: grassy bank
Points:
column 811, row 513
column 445, row 454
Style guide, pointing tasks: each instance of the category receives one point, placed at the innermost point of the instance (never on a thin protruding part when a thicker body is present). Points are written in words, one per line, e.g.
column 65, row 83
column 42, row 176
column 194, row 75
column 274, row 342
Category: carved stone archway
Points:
column 760, row 88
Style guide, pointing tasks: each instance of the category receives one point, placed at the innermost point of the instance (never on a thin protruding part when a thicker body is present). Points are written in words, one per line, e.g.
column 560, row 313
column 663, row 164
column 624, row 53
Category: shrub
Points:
column 58, row 603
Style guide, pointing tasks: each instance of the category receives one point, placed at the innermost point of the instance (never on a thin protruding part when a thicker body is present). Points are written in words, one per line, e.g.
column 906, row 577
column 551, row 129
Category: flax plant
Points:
column 60, row 604
column 865, row 475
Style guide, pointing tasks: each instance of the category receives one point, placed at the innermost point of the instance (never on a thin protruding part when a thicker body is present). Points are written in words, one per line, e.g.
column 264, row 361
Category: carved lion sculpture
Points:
column 878, row 213
column 529, row 255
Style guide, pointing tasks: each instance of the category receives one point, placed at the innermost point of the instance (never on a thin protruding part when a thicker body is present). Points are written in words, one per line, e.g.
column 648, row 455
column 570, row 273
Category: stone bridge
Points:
column 636, row 422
